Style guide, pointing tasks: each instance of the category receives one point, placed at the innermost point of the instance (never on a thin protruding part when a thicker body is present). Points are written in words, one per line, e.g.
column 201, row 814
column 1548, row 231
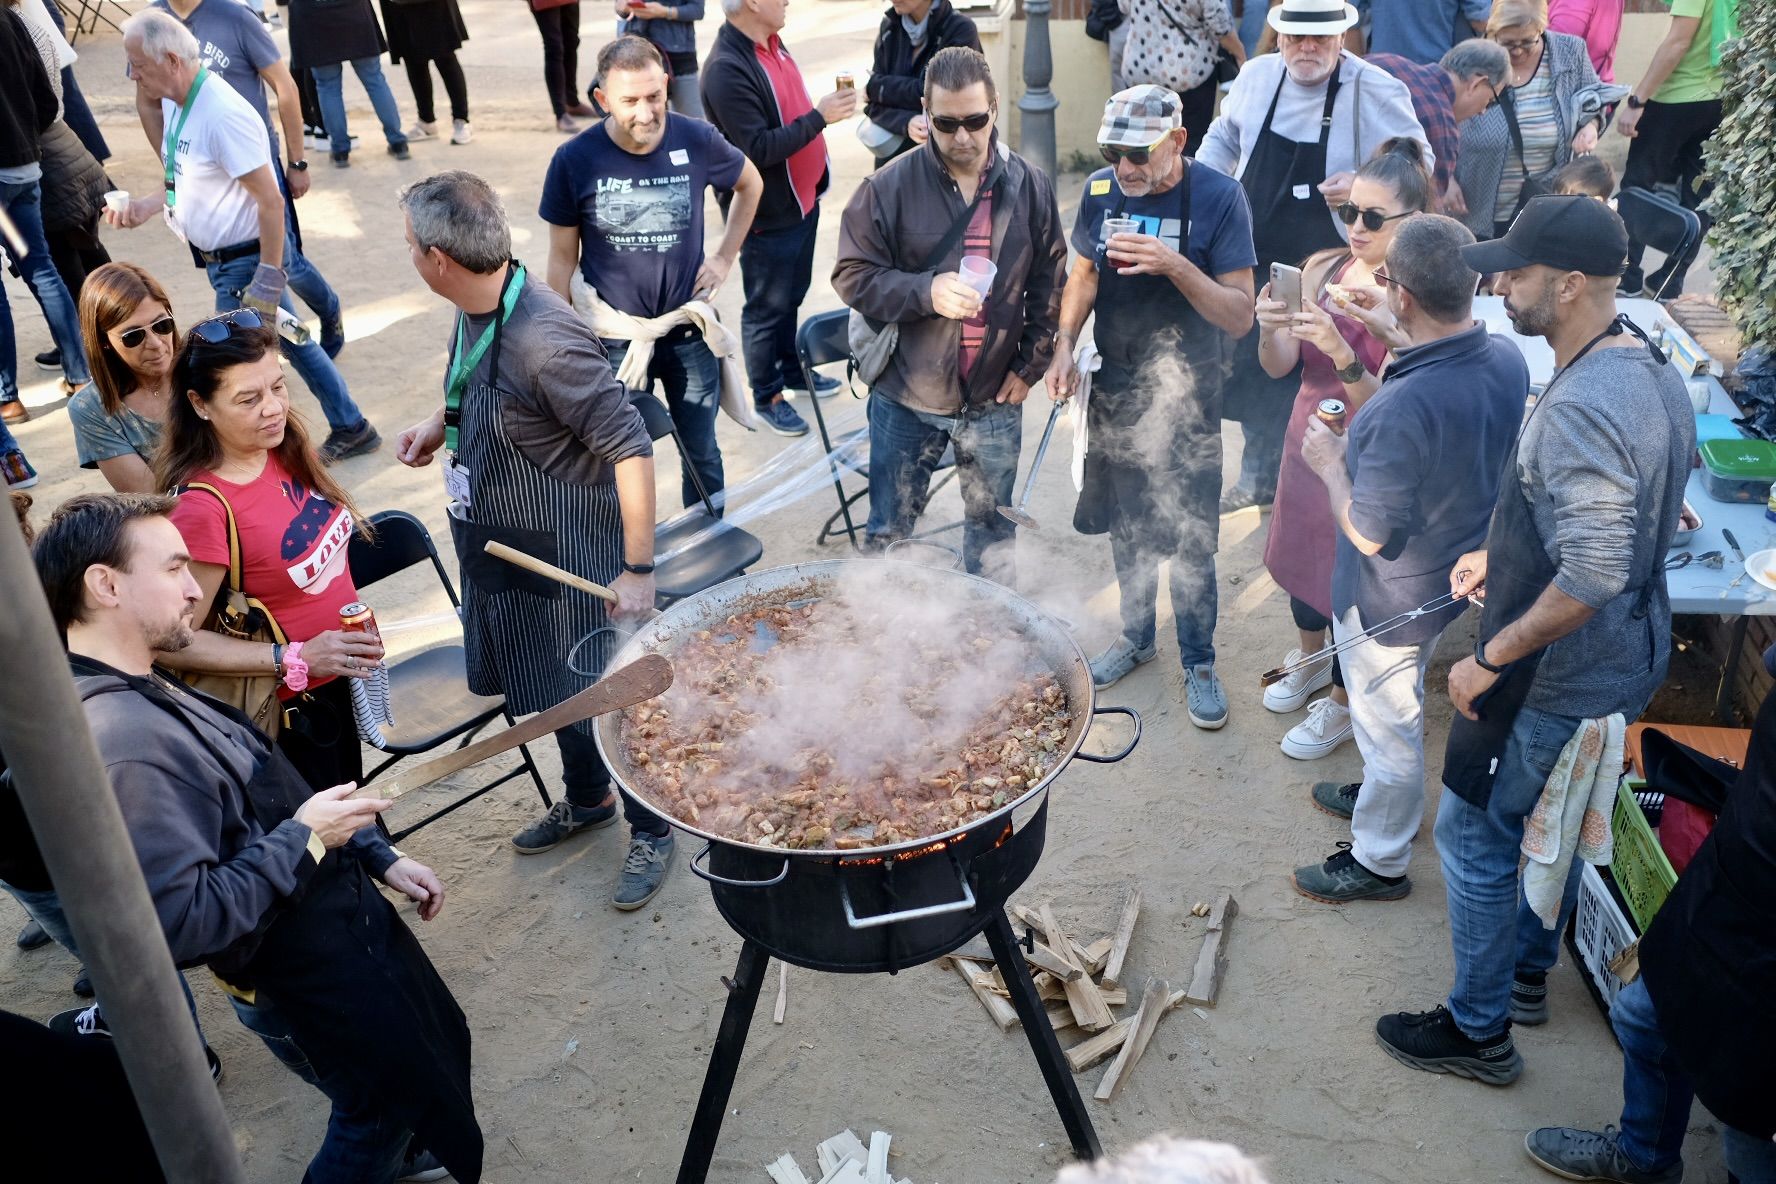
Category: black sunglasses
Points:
column 949, row 125
column 220, row 328
column 1348, row 213
column 160, row 326
column 1385, row 278
column 1116, row 153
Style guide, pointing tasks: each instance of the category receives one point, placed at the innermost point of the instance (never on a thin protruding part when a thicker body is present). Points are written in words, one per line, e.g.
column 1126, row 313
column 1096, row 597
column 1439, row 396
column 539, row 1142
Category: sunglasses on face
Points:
column 160, row 327
column 1373, row 219
column 949, row 125
column 1116, row 153
column 218, row 329
column 1382, row 275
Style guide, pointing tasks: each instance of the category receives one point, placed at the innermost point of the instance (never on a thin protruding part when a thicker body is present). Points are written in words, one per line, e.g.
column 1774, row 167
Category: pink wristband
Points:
column 295, row 669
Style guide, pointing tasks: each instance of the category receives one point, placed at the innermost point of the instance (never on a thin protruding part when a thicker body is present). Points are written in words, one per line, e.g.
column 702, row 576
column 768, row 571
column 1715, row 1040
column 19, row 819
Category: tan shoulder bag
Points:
column 239, row 615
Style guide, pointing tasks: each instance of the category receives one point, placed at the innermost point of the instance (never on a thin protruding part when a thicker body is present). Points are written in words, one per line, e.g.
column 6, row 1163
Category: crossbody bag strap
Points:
column 1508, row 104
column 994, row 172
column 1356, row 119
column 234, row 548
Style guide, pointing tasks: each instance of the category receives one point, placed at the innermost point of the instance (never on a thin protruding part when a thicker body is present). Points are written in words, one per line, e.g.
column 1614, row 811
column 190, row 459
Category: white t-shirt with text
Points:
column 223, row 140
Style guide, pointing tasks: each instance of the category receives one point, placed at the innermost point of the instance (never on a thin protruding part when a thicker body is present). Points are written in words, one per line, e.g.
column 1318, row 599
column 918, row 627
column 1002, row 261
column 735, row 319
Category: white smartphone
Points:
column 1285, row 285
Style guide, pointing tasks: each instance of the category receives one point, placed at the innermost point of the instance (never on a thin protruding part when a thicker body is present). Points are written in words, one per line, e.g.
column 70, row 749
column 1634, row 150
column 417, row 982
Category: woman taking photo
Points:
column 1508, row 150
column 230, row 427
column 1338, row 358
column 126, row 324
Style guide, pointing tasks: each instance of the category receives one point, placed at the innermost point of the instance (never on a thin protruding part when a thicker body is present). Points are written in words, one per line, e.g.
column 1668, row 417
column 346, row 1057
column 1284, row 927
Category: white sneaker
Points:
column 1293, row 690
column 422, row 130
column 1328, row 724
column 461, row 132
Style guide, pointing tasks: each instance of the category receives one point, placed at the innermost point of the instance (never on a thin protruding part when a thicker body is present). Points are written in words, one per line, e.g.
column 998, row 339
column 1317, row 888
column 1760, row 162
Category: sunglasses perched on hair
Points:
column 218, row 329
column 949, row 125
column 161, row 326
column 1373, row 219
column 1115, row 153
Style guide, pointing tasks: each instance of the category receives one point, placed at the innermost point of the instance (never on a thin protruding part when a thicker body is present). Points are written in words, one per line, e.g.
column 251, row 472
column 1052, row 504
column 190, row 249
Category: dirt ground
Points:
column 592, row 1026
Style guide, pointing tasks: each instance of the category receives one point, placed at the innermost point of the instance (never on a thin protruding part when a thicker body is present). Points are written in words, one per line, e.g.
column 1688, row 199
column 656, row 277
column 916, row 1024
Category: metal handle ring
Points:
column 930, row 910
column 706, row 874
column 1111, row 759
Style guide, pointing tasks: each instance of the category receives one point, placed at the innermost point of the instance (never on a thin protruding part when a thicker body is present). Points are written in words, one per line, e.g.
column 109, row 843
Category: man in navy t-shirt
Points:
column 624, row 203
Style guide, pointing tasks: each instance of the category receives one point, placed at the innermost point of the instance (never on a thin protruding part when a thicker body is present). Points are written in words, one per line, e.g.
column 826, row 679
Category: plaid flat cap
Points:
column 1139, row 116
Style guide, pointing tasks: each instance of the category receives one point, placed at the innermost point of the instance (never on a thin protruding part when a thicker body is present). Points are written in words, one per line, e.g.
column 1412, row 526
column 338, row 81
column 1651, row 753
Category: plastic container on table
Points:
column 1642, row 873
column 1737, row 470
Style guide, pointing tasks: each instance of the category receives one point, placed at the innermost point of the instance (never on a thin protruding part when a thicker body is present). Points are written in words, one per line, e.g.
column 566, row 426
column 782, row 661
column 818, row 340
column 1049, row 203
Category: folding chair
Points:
column 822, row 340
column 429, row 690
column 1662, row 223
column 685, row 563
column 87, row 14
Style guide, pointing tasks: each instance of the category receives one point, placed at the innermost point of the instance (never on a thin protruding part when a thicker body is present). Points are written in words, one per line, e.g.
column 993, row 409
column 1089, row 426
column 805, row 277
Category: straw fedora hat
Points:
column 1312, row 18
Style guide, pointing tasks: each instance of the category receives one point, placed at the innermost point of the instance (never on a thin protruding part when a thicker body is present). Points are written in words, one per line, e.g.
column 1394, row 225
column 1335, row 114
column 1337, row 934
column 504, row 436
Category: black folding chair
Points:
column 1662, row 223
column 823, row 340
column 696, row 550
column 87, row 14
column 429, row 691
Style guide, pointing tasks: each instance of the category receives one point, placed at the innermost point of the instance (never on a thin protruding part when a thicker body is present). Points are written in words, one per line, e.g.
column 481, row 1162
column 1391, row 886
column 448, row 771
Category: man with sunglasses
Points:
column 965, row 358
column 1466, row 82
column 1165, row 263
column 1293, row 130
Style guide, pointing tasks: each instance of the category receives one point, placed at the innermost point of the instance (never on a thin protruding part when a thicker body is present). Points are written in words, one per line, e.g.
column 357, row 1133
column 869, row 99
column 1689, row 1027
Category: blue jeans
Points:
column 361, row 1145
column 8, row 443
column 683, row 365
column 1494, row 932
column 329, row 89
column 323, row 378
column 1191, row 578
column 304, row 279
column 776, row 267
column 905, row 447
column 23, row 202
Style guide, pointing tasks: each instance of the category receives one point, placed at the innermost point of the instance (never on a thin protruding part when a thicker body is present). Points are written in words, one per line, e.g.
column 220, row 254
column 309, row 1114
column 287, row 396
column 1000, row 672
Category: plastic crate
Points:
column 1642, row 873
column 1601, row 930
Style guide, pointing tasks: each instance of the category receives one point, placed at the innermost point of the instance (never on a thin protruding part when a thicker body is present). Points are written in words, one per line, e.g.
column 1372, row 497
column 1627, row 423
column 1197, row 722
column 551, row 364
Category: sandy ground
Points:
column 592, row 1026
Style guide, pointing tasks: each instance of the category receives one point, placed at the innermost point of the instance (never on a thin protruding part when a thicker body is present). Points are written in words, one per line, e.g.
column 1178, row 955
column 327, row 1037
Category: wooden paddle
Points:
column 531, row 563
column 642, row 679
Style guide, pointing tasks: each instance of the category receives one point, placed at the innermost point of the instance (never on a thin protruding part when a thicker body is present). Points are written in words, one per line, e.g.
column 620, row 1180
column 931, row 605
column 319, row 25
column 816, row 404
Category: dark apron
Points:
column 1154, row 416
column 1285, row 229
column 336, row 960
column 1518, row 571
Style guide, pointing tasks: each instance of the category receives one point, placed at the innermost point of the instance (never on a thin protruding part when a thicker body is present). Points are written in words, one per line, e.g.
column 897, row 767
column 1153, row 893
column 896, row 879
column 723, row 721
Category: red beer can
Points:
column 356, row 617
column 1330, row 411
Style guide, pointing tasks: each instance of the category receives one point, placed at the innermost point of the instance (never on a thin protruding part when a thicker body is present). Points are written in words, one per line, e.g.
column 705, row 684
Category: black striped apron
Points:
column 518, row 628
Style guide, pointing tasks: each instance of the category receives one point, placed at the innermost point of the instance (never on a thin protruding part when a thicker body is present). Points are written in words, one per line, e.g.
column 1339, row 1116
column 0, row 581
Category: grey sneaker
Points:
column 1529, row 1003
column 342, row 443
column 1591, row 1155
column 1114, row 664
column 1333, row 798
column 1342, row 879
column 644, row 870
column 563, row 819
column 1204, row 698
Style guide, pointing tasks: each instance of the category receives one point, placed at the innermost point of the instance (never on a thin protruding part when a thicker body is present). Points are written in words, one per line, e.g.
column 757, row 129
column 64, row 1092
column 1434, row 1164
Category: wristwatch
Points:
column 1635, row 102
column 1480, row 659
column 1353, row 372
column 640, row 569
column 300, row 166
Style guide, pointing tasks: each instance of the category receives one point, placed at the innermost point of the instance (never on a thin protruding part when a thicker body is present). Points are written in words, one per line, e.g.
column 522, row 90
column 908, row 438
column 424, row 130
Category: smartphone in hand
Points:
column 1285, row 285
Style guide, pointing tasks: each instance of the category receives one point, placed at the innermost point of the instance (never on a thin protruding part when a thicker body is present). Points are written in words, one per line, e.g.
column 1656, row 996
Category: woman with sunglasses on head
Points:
column 229, row 427
column 1509, row 149
column 1338, row 357
column 126, row 324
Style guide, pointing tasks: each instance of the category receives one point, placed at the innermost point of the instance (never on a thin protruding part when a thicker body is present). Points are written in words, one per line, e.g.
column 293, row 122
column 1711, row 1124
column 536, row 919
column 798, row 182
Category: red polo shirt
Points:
column 807, row 165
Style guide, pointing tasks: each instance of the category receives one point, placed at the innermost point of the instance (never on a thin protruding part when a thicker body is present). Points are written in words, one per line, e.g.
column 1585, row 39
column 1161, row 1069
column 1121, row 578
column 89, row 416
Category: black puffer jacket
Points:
column 27, row 103
column 896, row 87
column 74, row 184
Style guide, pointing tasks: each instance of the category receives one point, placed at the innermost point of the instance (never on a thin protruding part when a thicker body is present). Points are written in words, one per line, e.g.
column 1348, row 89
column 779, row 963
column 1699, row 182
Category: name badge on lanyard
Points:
column 456, row 481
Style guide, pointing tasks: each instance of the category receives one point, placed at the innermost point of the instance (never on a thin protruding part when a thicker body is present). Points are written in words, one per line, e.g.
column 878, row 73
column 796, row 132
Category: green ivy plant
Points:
column 1741, row 159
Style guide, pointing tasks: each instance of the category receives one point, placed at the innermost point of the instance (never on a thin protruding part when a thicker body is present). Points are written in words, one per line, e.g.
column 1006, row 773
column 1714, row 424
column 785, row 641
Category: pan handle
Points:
column 706, row 874
column 1114, row 757
column 930, row 910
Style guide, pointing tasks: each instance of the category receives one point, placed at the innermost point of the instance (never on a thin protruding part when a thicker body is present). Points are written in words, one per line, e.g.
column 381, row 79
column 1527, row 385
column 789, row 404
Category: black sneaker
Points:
column 1529, row 1002
column 823, row 386
column 83, row 984
column 50, row 359
column 80, row 1021
column 332, row 336
column 563, row 820
column 32, row 936
column 342, row 443
column 421, row 1165
column 1341, row 879
column 781, row 418
column 1335, row 799
column 342, row 160
column 1575, row 1154
column 1429, row 1040
column 1240, row 498
column 399, row 151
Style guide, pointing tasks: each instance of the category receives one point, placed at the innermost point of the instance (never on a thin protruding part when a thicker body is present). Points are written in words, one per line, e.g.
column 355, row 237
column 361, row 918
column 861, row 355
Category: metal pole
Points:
column 1038, row 102
column 67, row 798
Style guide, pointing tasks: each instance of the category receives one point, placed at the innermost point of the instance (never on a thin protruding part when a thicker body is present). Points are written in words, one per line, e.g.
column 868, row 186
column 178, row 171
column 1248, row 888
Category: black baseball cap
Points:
column 1572, row 233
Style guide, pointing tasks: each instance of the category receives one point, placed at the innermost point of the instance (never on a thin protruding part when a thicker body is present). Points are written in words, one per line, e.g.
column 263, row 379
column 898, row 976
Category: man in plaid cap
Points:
column 1165, row 261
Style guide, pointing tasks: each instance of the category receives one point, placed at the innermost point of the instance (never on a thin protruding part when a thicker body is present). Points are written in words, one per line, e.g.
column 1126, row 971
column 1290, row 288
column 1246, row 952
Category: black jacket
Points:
column 896, row 84
column 27, row 103
column 738, row 97
column 329, row 32
column 74, row 184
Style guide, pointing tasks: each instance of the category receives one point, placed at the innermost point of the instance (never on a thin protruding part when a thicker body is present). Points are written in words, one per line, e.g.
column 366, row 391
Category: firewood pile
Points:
column 842, row 1159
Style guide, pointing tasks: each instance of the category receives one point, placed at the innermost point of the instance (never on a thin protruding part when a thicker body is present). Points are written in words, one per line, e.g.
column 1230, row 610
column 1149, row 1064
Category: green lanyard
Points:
column 462, row 364
column 172, row 143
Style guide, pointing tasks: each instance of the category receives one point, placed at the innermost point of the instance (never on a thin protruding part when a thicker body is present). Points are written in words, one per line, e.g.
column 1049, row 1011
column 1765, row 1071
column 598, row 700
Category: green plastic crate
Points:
column 1642, row 873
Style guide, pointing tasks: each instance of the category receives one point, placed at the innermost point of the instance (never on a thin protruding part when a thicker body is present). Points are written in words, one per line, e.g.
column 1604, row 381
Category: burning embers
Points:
column 848, row 722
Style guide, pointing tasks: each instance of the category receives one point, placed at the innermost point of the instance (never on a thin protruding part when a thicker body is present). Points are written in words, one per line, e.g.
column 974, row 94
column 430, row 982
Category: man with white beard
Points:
column 1293, row 130
column 1165, row 261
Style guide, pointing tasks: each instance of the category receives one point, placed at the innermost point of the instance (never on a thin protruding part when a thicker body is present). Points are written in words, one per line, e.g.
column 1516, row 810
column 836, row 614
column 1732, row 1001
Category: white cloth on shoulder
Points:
column 1572, row 817
column 1087, row 361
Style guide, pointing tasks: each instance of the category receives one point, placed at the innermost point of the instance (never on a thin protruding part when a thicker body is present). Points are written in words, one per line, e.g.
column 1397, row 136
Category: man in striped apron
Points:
column 545, row 454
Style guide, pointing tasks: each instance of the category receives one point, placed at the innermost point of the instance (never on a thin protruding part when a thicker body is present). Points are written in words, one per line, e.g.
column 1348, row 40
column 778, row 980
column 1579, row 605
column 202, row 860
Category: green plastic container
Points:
column 1642, row 873
column 1737, row 470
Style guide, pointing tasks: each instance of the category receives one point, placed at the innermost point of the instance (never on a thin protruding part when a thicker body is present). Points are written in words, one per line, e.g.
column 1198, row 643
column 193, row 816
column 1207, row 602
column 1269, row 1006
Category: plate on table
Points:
column 1761, row 566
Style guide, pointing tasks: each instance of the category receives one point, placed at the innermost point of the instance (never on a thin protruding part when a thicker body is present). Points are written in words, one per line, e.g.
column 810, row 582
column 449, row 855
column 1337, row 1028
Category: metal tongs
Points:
column 1369, row 634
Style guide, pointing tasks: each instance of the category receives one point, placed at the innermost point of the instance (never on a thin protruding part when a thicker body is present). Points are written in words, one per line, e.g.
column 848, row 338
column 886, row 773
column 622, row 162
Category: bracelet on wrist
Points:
column 1480, row 659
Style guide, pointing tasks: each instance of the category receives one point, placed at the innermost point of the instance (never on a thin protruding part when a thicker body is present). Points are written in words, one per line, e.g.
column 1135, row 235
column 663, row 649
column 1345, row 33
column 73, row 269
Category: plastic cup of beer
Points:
column 978, row 274
column 1114, row 226
column 117, row 201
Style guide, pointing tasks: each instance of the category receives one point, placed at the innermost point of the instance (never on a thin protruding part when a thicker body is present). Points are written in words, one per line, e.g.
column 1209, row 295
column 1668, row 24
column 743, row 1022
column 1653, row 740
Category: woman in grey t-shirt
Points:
column 126, row 323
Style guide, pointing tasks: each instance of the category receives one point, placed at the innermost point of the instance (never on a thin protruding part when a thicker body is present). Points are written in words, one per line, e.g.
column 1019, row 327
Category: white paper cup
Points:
column 978, row 274
column 117, row 201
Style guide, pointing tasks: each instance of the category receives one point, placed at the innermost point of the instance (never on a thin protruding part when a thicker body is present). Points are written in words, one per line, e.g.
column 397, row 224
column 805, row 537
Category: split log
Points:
column 1033, row 919
column 833, row 1153
column 1043, row 958
column 1089, row 1009
column 782, row 993
column 785, row 1170
column 1153, row 1006
column 1095, row 955
column 1119, row 944
column 1087, row 1053
column 1211, row 962
column 877, row 1171
column 1003, row 1013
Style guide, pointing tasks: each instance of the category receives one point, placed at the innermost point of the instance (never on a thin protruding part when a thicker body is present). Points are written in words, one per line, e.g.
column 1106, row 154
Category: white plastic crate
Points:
column 1601, row 930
